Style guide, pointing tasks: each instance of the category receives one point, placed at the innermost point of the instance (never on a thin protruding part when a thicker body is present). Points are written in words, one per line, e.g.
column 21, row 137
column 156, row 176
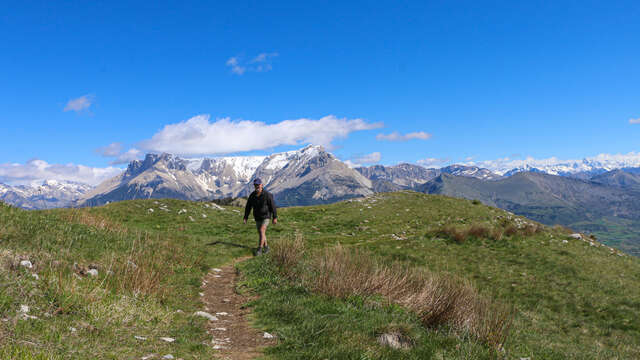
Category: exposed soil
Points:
column 232, row 334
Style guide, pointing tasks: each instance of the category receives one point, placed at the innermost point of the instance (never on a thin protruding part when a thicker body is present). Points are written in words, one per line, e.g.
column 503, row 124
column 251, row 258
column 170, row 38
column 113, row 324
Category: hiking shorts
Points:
column 261, row 222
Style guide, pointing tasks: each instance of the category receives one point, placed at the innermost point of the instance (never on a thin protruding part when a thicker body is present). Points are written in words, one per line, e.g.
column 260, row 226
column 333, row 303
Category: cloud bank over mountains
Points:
column 36, row 171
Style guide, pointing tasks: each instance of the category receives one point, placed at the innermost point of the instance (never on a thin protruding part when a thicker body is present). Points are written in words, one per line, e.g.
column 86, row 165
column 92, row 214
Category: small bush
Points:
column 476, row 202
column 510, row 230
column 453, row 233
column 497, row 234
column 479, row 231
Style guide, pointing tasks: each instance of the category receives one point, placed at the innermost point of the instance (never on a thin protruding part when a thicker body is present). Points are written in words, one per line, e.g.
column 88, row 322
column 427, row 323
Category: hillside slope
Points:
column 610, row 212
column 574, row 298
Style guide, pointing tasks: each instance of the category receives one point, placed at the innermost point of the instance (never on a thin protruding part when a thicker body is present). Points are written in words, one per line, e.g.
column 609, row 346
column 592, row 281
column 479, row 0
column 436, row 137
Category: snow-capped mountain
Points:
column 470, row 171
column 584, row 168
column 306, row 176
column 49, row 194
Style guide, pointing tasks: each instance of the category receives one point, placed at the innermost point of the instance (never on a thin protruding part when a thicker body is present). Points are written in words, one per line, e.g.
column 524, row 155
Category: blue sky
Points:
column 477, row 80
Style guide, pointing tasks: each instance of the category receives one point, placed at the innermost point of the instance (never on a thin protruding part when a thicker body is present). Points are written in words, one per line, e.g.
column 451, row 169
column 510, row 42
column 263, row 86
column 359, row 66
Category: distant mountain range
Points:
column 306, row 176
column 49, row 194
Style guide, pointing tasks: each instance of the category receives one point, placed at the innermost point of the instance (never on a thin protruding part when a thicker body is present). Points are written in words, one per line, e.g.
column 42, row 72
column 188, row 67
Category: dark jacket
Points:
column 263, row 206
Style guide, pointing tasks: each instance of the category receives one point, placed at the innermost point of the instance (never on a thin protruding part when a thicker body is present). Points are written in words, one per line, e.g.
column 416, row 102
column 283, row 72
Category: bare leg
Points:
column 263, row 236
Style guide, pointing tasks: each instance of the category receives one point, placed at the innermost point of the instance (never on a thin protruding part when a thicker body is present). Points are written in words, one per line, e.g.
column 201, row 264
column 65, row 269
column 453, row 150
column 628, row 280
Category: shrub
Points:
column 496, row 234
column 453, row 233
column 479, row 231
column 510, row 230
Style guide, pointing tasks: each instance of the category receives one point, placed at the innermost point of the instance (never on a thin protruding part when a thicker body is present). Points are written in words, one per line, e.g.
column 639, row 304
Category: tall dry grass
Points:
column 145, row 268
column 83, row 216
column 438, row 299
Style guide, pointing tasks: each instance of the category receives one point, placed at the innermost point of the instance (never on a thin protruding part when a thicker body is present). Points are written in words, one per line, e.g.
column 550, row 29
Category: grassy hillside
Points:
column 571, row 299
column 609, row 212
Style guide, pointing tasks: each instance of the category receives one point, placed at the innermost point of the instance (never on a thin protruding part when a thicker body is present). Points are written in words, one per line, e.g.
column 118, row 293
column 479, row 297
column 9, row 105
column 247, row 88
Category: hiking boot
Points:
column 266, row 249
column 259, row 251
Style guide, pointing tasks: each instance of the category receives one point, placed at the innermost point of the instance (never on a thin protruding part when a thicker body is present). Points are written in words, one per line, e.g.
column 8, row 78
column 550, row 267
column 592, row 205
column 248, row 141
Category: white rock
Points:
column 168, row 357
column 24, row 309
column 204, row 216
column 218, row 347
column 576, row 236
column 182, row 211
column 72, row 329
column 26, row 263
column 92, row 272
column 217, row 276
column 191, row 218
column 394, row 341
column 216, row 270
column 150, row 210
column 140, row 338
column 147, row 357
column 266, row 335
column 565, row 241
column 222, row 313
column 35, row 276
column 168, row 339
column 220, row 329
column 201, row 294
column 206, row 315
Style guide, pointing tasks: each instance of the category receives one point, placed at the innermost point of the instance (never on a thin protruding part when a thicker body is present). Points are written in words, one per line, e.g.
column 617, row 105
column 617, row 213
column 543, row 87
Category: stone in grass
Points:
column 168, row 339
column 147, row 357
column 92, row 272
column 394, row 340
column 26, row 263
column 168, row 356
column 576, row 236
column 266, row 335
column 140, row 338
column 206, row 315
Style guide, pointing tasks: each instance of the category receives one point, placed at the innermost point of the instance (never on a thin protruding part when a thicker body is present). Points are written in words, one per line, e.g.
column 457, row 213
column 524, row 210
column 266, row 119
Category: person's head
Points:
column 257, row 184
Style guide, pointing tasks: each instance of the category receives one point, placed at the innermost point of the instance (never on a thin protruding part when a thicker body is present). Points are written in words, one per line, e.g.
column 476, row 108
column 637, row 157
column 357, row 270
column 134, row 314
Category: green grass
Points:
column 573, row 300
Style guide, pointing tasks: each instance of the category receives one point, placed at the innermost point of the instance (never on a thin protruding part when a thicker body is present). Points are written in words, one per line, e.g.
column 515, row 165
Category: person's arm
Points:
column 247, row 209
column 273, row 208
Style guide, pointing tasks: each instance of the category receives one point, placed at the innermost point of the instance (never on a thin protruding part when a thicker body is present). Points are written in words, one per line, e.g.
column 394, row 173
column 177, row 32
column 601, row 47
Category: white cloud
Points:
column 79, row 104
column 199, row 136
column 235, row 66
column 351, row 164
column 396, row 136
column 368, row 159
column 36, row 171
column 434, row 162
column 110, row 150
column 259, row 63
column 634, row 121
column 127, row 156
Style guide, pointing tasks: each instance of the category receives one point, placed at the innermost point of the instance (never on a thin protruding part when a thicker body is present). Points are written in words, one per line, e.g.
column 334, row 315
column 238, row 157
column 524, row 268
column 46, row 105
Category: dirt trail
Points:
column 231, row 334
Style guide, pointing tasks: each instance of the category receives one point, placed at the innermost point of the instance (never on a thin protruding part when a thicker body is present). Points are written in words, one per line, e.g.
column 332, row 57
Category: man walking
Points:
column 264, row 208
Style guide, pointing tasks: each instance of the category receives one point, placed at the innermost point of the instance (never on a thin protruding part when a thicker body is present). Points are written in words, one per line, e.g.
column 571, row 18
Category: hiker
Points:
column 264, row 208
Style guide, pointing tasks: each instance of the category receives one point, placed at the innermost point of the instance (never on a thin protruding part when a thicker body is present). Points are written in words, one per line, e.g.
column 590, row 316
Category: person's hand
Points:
column 245, row 220
column 274, row 221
